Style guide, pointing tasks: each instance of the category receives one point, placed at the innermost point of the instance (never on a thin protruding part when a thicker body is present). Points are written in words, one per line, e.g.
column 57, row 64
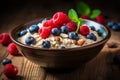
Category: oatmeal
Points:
column 61, row 33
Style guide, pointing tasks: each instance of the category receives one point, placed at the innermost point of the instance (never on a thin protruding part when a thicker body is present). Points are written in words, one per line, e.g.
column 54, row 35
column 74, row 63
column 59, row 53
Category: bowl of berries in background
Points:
column 60, row 42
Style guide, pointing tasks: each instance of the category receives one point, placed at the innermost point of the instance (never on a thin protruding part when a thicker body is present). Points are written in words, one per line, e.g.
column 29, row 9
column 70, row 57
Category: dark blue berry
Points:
column 6, row 61
column 23, row 32
column 100, row 32
column 61, row 47
column 91, row 36
column 73, row 35
column 46, row 44
column 33, row 28
column 55, row 31
column 30, row 40
column 92, row 28
column 110, row 24
column 64, row 29
column 116, row 59
column 116, row 27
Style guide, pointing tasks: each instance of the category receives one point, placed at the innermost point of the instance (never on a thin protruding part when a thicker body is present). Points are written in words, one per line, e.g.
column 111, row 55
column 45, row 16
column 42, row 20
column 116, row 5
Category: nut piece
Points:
column 74, row 42
column 81, row 42
column 57, row 38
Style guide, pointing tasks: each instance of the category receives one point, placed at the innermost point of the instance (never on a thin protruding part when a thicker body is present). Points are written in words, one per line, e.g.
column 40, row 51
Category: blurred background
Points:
column 19, row 11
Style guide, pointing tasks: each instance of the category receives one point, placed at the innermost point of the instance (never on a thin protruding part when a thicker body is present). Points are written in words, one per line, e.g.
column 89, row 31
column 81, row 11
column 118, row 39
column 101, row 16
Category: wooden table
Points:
column 99, row 68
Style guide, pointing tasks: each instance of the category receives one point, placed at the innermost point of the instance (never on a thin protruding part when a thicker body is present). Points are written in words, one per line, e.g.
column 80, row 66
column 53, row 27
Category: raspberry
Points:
column 44, row 32
column 71, row 26
column 60, row 18
column 48, row 23
column 5, row 39
column 10, row 70
column 12, row 49
column 51, row 24
column 100, row 19
column 84, row 17
column 84, row 30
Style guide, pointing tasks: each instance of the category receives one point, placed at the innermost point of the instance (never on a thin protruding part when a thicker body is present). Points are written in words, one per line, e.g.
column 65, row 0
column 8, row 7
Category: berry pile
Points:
column 113, row 25
column 59, row 21
column 9, row 69
column 60, row 27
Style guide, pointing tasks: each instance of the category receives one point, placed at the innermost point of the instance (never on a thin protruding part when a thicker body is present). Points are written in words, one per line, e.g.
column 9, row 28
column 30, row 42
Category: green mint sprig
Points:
column 72, row 14
column 84, row 9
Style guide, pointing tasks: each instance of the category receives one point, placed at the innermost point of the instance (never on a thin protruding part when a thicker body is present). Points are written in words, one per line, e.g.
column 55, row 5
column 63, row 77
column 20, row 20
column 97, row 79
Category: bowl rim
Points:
column 108, row 32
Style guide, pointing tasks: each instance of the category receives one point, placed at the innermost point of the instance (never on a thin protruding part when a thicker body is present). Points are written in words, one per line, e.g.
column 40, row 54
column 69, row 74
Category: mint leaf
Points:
column 79, row 23
column 95, row 13
column 83, row 8
column 73, row 15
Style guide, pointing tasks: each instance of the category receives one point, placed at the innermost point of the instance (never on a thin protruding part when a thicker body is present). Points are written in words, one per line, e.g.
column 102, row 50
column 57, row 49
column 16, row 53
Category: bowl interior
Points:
column 105, row 32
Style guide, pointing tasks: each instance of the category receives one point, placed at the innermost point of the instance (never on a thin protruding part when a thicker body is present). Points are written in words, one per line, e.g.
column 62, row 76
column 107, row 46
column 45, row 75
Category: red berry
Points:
column 10, row 70
column 12, row 49
column 60, row 18
column 48, row 23
column 44, row 32
column 71, row 26
column 100, row 19
column 84, row 30
column 5, row 39
column 84, row 17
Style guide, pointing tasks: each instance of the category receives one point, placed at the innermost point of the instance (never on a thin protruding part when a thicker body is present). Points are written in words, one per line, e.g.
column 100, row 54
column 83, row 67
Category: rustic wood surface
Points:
column 99, row 68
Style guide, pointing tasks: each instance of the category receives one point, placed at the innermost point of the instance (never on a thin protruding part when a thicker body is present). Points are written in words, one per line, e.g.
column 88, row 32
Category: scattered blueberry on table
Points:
column 113, row 25
column 6, row 61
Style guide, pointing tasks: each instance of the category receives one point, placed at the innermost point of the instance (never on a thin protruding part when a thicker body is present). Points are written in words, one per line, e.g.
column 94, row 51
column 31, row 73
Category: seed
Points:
column 57, row 38
column 81, row 42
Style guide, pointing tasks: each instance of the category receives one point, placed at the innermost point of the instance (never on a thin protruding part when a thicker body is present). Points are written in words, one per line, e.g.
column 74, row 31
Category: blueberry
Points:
column 64, row 29
column 55, row 31
column 92, row 28
column 6, row 61
column 100, row 32
column 61, row 47
column 116, row 27
column 33, row 28
column 110, row 24
column 30, row 40
column 46, row 44
column 73, row 35
column 23, row 32
column 91, row 36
